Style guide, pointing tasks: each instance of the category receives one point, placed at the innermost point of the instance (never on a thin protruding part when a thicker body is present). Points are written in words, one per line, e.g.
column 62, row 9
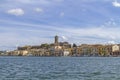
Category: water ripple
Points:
column 59, row 68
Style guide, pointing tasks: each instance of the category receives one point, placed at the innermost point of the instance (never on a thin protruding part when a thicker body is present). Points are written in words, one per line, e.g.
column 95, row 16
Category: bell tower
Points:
column 56, row 40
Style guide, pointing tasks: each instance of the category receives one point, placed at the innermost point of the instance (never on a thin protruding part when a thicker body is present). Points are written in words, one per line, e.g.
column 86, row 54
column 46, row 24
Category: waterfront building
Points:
column 93, row 50
column 109, row 49
column 3, row 53
column 100, row 50
column 77, row 50
column 103, row 50
column 38, row 52
column 66, row 52
column 24, row 53
column 115, row 50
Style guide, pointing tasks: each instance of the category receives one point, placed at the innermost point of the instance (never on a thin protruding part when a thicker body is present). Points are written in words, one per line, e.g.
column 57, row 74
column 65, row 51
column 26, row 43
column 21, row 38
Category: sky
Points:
column 33, row 22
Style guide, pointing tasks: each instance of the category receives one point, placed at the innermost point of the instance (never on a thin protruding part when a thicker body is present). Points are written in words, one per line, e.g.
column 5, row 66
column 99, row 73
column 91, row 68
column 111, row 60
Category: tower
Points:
column 56, row 40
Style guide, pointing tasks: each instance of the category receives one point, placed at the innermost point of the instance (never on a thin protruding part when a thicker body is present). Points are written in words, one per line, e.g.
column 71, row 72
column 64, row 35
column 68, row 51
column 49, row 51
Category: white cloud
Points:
column 111, row 22
column 16, row 12
column 111, row 42
column 64, row 38
column 116, row 3
column 38, row 9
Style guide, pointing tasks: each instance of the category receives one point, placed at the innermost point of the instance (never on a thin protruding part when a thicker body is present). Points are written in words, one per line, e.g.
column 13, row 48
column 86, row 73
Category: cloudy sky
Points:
column 32, row 22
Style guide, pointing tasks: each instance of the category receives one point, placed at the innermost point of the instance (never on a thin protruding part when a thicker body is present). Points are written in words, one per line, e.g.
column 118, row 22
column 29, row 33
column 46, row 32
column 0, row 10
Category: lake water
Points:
column 59, row 68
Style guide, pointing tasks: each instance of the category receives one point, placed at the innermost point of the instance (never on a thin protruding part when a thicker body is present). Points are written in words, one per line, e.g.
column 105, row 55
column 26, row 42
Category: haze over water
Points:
column 59, row 68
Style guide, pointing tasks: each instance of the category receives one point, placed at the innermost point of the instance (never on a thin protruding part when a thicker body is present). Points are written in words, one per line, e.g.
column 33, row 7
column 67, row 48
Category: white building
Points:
column 115, row 48
column 66, row 53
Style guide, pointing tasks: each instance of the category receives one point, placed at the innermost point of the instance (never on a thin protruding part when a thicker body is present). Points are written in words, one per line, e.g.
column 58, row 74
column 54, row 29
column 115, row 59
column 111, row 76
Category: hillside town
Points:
column 66, row 49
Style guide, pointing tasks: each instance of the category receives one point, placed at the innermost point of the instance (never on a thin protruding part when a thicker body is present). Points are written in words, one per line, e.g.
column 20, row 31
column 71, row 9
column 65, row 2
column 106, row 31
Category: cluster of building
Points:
column 65, row 49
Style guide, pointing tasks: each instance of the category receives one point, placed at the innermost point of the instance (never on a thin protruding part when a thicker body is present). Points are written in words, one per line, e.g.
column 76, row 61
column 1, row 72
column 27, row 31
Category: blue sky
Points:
column 32, row 22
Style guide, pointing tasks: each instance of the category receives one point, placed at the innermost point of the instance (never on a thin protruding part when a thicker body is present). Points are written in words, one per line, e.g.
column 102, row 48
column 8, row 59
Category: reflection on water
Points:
column 59, row 68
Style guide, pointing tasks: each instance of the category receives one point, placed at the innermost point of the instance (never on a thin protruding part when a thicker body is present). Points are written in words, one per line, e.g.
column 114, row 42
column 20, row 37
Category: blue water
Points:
column 59, row 68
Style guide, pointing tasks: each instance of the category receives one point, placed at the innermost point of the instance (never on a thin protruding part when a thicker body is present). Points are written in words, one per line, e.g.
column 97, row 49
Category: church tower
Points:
column 56, row 40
